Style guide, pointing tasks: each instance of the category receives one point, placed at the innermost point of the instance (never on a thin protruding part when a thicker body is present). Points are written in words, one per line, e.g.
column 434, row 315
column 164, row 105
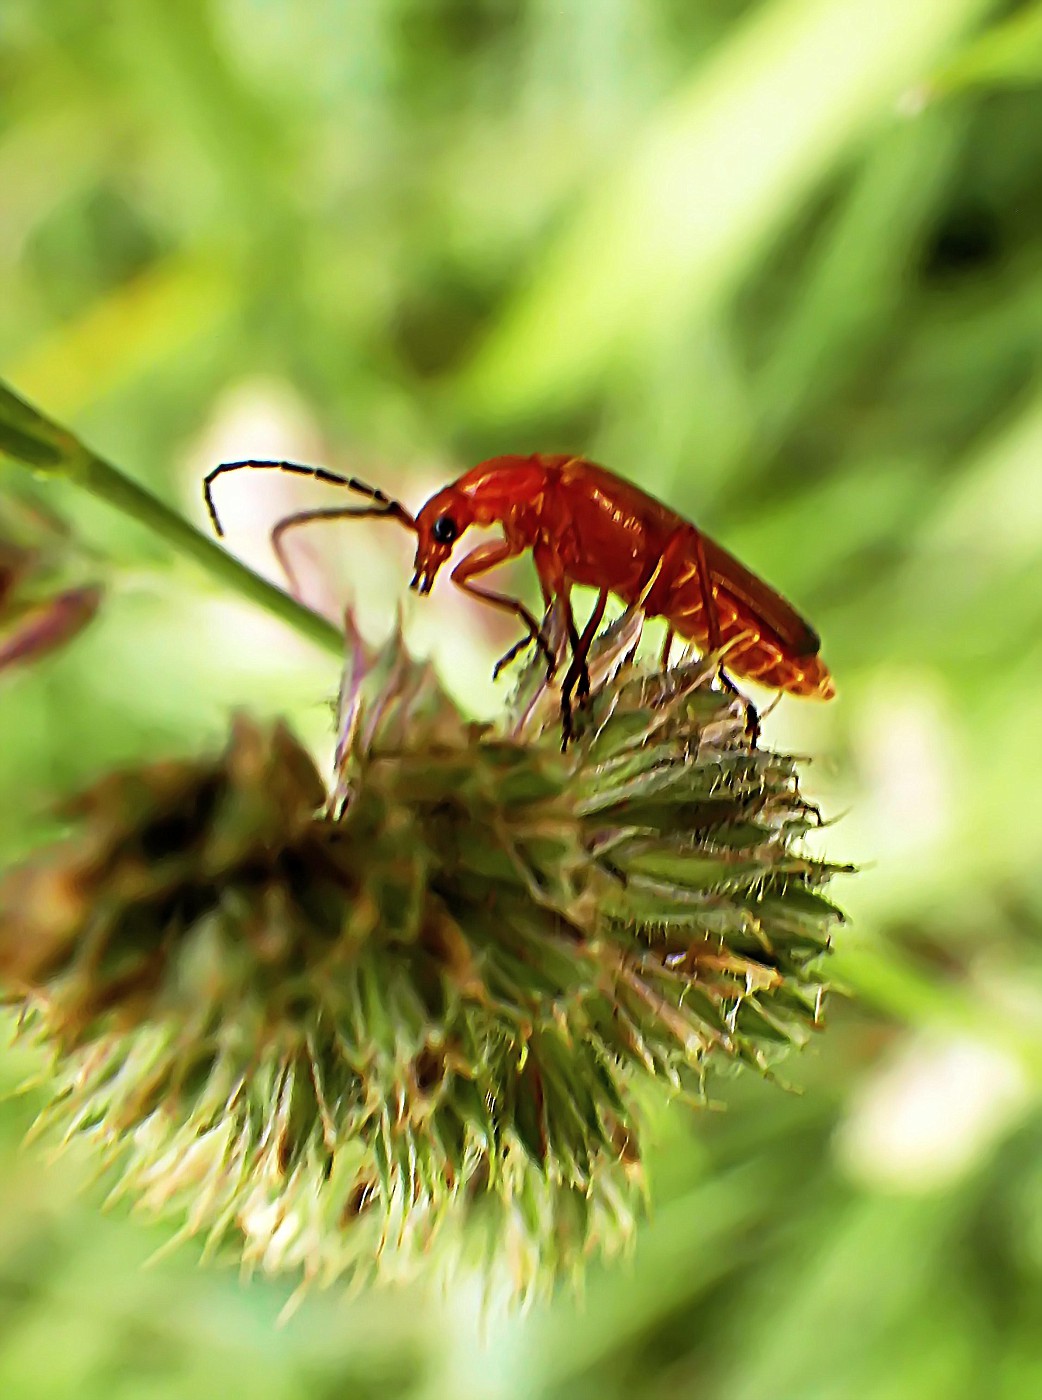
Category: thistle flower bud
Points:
column 334, row 1029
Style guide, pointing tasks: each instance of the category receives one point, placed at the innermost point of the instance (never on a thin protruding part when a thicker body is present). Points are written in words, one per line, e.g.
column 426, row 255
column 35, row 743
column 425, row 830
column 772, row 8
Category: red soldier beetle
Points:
column 585, row 525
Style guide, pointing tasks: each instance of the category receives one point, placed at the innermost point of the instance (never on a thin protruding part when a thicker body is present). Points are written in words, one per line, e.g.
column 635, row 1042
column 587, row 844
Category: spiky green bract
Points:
column 332, row 1031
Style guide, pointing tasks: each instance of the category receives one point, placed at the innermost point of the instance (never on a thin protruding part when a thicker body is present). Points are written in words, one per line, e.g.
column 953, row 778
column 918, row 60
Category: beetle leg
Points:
column 581, row 648
column 555, row 586
column 752, row 719
column 705, row 586
column 574, row 640
column 527, row 640
column 509, row 655
column 568, row 685
column 577, row 677
column 480, row 561
column 667, row 647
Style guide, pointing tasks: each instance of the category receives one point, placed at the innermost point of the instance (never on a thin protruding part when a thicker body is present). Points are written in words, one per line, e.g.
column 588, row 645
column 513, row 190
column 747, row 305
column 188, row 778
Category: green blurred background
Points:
column 780, row 261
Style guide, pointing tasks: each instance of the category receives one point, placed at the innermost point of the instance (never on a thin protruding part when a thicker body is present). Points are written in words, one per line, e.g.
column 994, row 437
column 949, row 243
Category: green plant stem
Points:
column 109, row 484
column 28, row 437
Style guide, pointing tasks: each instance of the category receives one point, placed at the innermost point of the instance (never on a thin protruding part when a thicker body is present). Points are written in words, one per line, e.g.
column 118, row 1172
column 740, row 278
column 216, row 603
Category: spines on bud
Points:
column 329, row 1028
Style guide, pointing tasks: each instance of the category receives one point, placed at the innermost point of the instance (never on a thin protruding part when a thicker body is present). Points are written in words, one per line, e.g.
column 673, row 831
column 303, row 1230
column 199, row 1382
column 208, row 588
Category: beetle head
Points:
column 438, row 526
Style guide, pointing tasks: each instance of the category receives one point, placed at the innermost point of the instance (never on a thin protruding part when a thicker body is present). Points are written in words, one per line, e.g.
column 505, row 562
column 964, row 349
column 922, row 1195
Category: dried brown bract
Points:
column 41, row 606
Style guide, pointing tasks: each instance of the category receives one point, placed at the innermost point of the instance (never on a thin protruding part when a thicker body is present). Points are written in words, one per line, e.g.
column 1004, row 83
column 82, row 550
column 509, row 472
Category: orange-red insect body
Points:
column 586, row 525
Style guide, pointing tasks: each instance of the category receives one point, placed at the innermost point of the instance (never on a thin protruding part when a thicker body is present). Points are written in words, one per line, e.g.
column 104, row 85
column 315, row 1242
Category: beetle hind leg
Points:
column 752, row 717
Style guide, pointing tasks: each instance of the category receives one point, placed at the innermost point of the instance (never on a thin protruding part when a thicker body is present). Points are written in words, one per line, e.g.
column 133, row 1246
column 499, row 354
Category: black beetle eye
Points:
column 445, row 529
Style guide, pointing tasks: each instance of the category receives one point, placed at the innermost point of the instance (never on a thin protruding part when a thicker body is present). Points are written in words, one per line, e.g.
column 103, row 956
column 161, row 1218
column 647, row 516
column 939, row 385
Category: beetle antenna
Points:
column 386, row 504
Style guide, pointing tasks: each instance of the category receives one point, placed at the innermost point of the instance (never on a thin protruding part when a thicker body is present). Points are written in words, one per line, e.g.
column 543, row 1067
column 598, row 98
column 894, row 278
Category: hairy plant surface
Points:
column 326, row 1027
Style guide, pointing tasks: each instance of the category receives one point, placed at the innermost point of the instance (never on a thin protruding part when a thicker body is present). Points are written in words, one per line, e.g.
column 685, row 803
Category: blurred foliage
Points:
column 782, row 263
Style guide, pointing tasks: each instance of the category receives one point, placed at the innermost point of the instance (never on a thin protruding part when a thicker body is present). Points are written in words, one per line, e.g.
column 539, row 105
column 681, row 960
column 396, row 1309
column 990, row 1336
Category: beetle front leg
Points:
column 480, row 561
column 549, row 629
column 511, row 654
